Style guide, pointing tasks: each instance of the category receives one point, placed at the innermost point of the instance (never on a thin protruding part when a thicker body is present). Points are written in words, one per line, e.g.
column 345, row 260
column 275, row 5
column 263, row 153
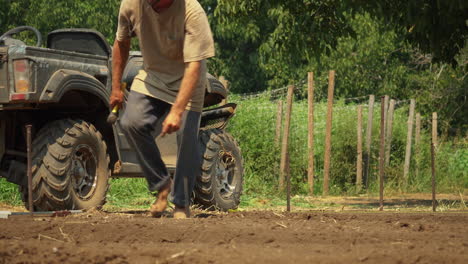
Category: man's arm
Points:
column 120, row 54
column 189, row 82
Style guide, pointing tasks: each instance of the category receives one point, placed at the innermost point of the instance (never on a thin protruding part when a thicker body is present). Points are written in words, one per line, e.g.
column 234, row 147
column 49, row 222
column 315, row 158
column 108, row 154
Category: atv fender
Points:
column 63, row 81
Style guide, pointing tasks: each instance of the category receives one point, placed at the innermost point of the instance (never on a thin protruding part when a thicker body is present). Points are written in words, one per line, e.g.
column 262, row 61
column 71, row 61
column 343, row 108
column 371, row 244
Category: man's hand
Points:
column 120, row 54
column 172, row 122
column 116, row 98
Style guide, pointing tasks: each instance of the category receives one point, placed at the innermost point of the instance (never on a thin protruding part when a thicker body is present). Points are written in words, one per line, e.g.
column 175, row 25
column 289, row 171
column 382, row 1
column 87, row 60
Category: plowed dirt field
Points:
column 240, row 237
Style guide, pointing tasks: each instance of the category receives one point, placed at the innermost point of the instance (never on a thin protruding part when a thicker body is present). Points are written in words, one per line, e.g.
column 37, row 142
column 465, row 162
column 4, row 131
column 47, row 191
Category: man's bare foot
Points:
column 180, row 213
column 158, row 207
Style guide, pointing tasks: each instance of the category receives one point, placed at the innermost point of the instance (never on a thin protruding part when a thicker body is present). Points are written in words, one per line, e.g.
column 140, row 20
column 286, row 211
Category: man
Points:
column 167, row 95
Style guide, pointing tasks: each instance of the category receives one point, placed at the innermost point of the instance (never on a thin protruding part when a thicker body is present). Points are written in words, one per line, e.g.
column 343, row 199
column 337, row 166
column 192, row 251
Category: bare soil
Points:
column 238, row 237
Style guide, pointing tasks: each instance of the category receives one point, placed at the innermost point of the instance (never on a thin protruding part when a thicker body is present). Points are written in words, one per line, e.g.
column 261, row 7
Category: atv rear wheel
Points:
column 70, row 167
column 220, row 184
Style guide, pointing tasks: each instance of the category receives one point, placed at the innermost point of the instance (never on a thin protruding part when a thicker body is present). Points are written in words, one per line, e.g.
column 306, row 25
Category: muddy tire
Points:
column 70, row 167
column 219, row 186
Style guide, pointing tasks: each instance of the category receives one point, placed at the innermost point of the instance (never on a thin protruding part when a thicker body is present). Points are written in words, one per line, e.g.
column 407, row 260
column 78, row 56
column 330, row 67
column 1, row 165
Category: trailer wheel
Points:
column 219, row 186
column 70, row 167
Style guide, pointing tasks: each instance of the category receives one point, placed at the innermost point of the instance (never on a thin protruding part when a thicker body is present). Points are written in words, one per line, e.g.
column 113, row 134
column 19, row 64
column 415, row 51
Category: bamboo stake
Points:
column 359, row 150
column 285, row 143
column 310, row 145
column 326, row 170
column 408, row 142
column 382, row 151
column 389, row 131
column 370, row 115
column 279, row 118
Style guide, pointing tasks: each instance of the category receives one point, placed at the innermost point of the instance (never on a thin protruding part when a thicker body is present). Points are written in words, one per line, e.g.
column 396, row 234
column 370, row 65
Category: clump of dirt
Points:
column 240, row 237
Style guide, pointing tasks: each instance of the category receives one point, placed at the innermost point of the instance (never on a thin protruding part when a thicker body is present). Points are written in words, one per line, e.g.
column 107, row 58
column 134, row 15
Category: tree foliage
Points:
column 283, row 36
column 279, row 37
column 436, row 26
column 390, row 47
column 49, row 15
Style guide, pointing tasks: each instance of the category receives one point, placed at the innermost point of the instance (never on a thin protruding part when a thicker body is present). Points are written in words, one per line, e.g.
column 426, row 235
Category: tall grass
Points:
column 9, row 193
column 132, row 193
column 254, row 128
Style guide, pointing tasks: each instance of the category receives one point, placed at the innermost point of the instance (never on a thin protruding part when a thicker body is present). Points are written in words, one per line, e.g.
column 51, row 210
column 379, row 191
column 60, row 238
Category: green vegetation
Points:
column 404, row 49
column 254, row 128
column 9, row 193
column 129, row 193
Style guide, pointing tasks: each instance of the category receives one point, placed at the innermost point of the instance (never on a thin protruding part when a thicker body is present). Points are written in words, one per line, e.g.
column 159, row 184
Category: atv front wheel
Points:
column 220, row 184
column 70, row 167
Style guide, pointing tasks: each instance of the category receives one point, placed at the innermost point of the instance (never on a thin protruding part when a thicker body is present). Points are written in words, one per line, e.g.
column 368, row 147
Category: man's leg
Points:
column 188, row 158
column 141, row 121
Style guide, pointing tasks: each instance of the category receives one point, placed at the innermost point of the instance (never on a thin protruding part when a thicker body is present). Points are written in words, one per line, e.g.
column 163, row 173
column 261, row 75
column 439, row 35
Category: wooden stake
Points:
column 433, row 177
column 408, row 142
column 386, row 101
column 417, row 142
column 310, row 142
column 417, row 136
column 29, row 168
column 288, row 183
column 326, row 169
column 359, row 149
column 382, row 151
column 370, row 116
column 279, row 119
column 433, row 157
column 389, row 131
column 285, row 143
column 434, row 130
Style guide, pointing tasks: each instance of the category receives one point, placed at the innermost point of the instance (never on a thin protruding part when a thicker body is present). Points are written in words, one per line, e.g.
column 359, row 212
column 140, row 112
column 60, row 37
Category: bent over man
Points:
column 167, row 94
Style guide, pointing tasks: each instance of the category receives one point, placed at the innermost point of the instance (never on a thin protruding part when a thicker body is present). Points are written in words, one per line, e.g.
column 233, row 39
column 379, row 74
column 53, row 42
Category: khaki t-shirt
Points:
column 167, row 40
